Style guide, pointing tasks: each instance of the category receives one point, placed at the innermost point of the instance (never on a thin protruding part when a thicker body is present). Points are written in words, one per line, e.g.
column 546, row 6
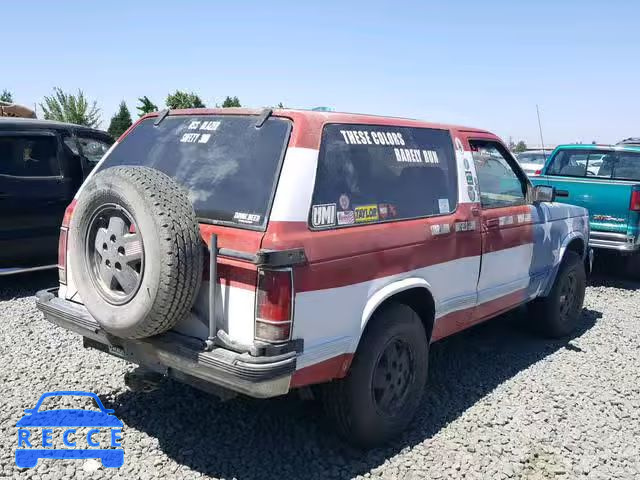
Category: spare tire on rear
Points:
column 135, row 251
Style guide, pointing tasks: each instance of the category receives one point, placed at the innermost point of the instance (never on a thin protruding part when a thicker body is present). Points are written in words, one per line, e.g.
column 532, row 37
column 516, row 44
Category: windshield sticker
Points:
column 415, row 155
column 465, row 226
column 200, row 125
column 248, row 218
column 469, row 177
column 459, row 146
column 366, row 213
column 440, row 229
column 364, row 137
column 346, row 217
column 387, row 210
column 323, row 215
column 443, row 205
column 472, row 193
column 343, row 201
column 508, row 220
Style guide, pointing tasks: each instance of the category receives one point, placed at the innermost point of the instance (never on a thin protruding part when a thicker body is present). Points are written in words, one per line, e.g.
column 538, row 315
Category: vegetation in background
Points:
column 146, row 106
column 120, row 121
column 181, row 99
column 231, row 102
column 520, row 147
column 6, row 96
column 70, row 108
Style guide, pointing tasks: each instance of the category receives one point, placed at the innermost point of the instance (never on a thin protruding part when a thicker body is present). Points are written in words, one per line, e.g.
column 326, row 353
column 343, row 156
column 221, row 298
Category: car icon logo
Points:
column 37, row 429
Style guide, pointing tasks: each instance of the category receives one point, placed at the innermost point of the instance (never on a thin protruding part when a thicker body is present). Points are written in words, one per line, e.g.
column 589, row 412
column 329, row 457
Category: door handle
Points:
column 562, row 193
column 492, row 222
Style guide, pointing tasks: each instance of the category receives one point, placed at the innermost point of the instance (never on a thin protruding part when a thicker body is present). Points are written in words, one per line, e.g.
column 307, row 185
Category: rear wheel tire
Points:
column 557, row 314
column 381, row 393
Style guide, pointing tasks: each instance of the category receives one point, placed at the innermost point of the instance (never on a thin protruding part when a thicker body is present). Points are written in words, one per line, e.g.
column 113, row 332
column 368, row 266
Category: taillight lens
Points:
column 538, row 172
column 635, row 201
column 274, row 305
column 62, row 243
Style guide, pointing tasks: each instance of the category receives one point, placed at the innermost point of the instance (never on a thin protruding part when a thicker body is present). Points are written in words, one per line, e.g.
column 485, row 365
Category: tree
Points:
column 146, row 106
column 120, row 121
column 280, row 105
column 512, row 145
column 6, row 96
column 520, row 147
column 181, row 99
column 70, row 108
column 231, row 102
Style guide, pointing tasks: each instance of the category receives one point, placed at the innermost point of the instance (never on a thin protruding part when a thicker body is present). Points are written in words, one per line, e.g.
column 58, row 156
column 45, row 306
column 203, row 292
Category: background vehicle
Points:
column 606, row 181
column 42, row 164
column 339, row 247
column 531, row 162
column 630, row 142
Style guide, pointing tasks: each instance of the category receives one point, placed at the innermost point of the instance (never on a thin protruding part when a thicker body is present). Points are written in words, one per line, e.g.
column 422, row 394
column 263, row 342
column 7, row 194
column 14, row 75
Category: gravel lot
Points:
column 501, row 404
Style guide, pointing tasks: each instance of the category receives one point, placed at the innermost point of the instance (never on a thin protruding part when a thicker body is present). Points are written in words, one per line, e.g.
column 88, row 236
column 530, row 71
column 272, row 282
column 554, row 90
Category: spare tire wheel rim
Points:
column 114, row 252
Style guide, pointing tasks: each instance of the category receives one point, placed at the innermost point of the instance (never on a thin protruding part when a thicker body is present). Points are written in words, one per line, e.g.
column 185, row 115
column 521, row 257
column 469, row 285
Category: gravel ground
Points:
column 501, row 404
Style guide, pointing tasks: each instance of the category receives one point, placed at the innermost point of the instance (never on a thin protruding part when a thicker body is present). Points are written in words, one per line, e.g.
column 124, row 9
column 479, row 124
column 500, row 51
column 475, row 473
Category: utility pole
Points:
column 540, row 128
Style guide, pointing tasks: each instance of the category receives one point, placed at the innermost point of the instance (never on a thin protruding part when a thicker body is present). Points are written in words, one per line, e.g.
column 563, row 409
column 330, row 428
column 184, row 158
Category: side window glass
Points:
column 498, row 182
column 29, row 156
column 93, row 149
column 574, row 163
column 369, row 173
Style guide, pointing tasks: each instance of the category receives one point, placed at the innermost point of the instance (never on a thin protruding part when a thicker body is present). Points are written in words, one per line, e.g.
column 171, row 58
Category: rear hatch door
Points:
column 230, row 165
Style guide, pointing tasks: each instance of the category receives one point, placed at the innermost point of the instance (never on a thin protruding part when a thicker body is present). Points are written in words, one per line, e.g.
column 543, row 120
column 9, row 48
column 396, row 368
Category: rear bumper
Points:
column 613, row 241
column 16, row 270
column 175, row 355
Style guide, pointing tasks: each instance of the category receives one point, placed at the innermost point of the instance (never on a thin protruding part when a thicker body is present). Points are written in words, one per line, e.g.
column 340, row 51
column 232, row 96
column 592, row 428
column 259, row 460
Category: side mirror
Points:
column 543, row 193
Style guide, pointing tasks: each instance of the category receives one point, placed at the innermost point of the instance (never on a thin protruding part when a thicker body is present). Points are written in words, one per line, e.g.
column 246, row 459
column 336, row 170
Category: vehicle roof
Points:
column 604, row 148
column 327, row 117
column 536, row 152
column 28, row 123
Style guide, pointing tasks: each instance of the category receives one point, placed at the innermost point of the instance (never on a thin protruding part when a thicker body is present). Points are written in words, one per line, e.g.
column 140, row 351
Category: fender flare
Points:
column 563, row 249
column 385, row 293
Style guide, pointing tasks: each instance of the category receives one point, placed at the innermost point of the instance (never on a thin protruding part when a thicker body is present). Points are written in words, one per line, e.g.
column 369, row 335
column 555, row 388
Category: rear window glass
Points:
column 228, row 166
column 369, row 174
column 616, row 165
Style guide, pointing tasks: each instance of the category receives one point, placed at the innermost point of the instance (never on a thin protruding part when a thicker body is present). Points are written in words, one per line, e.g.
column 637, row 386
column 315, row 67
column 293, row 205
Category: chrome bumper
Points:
column 175, row 355
column 613, row 241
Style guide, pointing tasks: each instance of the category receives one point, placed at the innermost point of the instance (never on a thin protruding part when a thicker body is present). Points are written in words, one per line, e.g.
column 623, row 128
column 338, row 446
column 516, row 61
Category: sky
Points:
column 481, row 64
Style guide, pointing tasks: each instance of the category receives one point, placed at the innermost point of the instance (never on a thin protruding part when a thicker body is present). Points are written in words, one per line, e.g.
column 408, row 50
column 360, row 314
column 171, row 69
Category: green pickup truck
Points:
column 606, row 181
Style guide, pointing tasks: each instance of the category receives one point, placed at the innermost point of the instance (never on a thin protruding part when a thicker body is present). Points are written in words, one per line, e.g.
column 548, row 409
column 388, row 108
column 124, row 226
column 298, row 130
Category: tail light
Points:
column 62, row 243
column 274, row 305
column 635, row 201
column 538, row 172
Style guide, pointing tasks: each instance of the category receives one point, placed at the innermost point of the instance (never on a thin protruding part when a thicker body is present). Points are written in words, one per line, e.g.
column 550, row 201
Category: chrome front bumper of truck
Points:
column 175, row 355
column 613, row 241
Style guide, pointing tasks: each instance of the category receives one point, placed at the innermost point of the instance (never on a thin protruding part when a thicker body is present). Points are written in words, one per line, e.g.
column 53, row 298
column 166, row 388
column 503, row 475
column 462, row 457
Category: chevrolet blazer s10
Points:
column 261, row 251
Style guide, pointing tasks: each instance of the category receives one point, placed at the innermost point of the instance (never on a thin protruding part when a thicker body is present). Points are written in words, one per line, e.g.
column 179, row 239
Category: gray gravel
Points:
column 501, row 404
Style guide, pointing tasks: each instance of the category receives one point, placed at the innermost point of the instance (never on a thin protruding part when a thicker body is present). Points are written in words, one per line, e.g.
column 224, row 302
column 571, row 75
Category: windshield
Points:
column 229, row 166
column 535, row 158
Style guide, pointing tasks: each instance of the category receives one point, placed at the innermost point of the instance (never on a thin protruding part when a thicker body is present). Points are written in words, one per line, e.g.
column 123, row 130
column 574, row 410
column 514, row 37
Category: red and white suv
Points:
column 340, row 247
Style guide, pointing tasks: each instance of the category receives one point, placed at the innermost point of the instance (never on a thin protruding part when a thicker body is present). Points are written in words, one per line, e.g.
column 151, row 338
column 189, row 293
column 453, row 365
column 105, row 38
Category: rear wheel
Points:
column 557, row 314
column 381, row 393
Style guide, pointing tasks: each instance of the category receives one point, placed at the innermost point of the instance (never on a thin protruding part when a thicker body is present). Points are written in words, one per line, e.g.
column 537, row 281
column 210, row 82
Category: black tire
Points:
column 353, row 403
column 143, row 296
column 557, row 314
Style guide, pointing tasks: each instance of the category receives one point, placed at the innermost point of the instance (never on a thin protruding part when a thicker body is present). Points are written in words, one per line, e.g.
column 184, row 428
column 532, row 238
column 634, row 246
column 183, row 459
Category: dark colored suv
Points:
column 42, row 164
